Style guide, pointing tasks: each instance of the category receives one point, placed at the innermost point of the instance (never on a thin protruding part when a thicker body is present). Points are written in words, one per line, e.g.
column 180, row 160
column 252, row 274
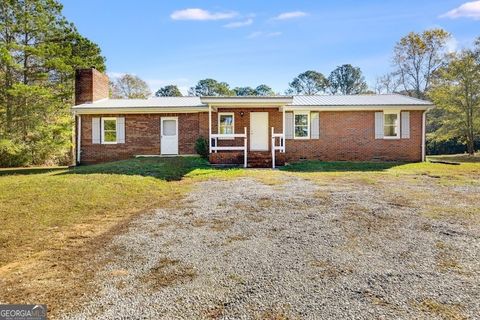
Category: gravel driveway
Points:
column 244, row 250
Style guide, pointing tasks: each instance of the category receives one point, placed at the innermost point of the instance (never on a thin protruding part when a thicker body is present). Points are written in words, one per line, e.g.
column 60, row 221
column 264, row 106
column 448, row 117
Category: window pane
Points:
column 169, row 127
column 390, row 131
column 110, row 125
column 301, row 119
column 110, row 136
column 226, row 130
column 391, row 119
column 301, row 131
column 226, row 119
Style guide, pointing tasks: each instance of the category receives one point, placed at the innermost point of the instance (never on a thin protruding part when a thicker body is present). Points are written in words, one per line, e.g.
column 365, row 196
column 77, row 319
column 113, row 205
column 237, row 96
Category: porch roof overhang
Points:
column 248, row 101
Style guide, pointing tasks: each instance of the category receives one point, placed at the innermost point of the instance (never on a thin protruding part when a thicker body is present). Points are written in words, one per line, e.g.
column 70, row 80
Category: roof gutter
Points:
column 359, row 108
column 137, row 110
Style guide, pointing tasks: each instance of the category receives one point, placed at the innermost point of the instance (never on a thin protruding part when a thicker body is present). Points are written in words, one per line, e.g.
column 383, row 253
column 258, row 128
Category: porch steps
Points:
column 264, row 159
column 255, row 159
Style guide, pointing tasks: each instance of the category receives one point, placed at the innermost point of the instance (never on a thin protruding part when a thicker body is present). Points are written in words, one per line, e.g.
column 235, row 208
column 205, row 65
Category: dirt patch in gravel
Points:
column 296, row 249
column 168, row 272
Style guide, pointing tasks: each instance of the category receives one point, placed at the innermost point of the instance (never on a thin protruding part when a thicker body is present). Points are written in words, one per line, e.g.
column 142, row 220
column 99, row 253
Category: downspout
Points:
column 424, row 113
column 79, row 137
column 283, row 129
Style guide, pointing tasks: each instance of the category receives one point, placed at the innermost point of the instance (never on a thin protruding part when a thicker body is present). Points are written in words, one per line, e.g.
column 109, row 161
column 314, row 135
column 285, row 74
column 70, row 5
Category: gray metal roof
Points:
column 170, row 102
column 305, row 101
column 358, row 100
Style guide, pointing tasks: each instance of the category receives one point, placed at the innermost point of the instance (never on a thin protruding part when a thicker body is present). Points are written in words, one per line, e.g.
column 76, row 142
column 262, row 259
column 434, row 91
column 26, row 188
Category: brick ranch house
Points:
column 251, row 131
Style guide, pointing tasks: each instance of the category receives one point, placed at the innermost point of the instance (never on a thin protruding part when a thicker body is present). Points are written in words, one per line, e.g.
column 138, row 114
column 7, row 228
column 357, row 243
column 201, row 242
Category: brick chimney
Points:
column 90, row 85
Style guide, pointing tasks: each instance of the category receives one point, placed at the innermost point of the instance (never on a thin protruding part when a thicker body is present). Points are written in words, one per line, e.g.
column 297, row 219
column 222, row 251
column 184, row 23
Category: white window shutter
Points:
column 379, row 125
column 120, row 130
column 288, row 125
column 315, row 125
column 95, row 130
column 405, row 125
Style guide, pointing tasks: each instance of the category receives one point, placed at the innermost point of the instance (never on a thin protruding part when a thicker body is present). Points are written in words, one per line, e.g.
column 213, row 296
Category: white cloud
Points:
column 468, row 10
column 201, row 15
column 115, row 75
column 290, row 15
column 239, row 24
column 452, row 45
column 258, row 34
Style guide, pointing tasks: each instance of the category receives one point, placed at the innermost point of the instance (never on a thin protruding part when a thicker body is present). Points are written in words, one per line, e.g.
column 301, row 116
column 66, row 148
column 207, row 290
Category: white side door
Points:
column 169, row 135
column 259, row 131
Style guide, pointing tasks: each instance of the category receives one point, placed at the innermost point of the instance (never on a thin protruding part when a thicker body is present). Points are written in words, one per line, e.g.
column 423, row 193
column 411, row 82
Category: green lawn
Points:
column 38, row 205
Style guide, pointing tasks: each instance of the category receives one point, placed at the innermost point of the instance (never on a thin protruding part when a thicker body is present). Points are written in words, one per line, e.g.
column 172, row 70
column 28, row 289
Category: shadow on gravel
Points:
column 339, row 166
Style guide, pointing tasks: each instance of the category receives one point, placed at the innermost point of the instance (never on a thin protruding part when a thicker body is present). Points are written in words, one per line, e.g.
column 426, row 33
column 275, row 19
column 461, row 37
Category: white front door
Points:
column 259, row 131
column 169, row 135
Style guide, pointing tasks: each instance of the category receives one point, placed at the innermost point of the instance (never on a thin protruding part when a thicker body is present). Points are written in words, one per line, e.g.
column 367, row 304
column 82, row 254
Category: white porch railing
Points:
column 280, row 147
column 214, row 146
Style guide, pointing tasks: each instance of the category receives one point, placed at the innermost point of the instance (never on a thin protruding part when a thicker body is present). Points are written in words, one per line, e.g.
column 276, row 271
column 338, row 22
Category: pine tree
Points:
column 39, row 52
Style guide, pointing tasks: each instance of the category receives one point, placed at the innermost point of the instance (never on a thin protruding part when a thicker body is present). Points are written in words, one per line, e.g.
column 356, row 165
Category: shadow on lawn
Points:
column 339, row 166
column 29, row 171
column 462, row 158
column 169, row 169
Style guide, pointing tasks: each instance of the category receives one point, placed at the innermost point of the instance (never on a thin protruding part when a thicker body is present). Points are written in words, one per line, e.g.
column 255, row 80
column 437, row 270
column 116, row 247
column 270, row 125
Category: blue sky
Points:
column 247, row 42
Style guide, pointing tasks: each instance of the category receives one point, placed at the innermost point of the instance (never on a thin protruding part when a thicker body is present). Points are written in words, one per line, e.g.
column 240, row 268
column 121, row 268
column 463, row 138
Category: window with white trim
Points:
column 301, row 124
column 391, row 124
column 109, row 130
column 226, row 123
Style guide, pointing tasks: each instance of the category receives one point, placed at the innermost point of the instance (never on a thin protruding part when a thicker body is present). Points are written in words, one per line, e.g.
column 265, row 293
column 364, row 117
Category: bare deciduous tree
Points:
column 129, row 86
column 388, row 83
column 417, row 56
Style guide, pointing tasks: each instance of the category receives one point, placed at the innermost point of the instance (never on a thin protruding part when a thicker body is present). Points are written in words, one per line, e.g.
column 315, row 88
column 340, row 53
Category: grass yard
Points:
column 53, row 220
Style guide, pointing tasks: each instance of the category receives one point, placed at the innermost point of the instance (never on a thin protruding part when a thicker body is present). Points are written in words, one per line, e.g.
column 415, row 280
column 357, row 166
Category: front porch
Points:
column 251, row 135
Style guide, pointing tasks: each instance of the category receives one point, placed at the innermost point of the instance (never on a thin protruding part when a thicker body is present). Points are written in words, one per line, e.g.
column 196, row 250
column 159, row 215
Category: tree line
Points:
column 345, row 79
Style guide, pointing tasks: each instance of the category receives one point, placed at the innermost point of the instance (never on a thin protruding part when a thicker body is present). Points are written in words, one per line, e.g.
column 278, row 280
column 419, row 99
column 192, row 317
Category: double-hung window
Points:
column 226, row 123
column 301, row 128
column 109, row 130
column 391, row 124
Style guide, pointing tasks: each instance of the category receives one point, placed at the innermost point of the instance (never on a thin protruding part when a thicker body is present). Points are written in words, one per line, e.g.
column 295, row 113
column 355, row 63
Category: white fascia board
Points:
column 138, row 110
column 237, row 101
column 359, row 108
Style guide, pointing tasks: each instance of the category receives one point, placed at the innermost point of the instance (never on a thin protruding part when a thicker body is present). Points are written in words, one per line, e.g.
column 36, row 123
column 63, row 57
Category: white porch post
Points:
column 245, row 148
column 273, row 149
column 209, row 128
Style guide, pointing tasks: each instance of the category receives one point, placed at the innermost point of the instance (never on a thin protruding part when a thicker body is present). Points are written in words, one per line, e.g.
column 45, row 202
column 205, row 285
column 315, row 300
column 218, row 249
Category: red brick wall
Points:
column 90, row 85
column 346, row 135
column 142, row 136
column 350, row 136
